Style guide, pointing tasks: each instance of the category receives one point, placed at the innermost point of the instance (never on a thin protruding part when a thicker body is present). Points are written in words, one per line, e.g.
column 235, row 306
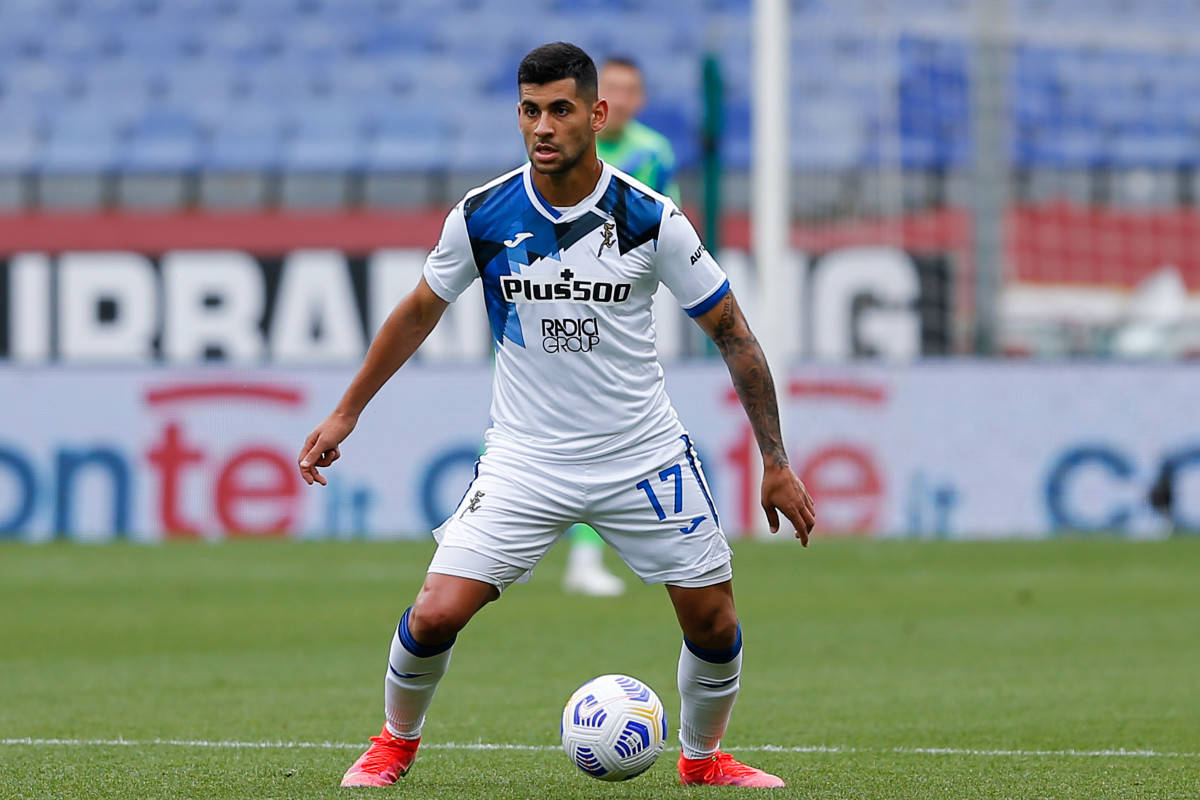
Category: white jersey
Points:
column 568, row 294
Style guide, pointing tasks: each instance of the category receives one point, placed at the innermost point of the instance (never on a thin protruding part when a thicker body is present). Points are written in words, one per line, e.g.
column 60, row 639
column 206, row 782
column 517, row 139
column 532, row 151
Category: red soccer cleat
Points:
column 722, row 769
column 387, row 759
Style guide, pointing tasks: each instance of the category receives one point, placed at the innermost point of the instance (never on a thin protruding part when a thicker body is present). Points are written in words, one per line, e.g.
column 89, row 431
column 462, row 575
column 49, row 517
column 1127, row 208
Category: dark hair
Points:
column 558, row 60
column 622, row 61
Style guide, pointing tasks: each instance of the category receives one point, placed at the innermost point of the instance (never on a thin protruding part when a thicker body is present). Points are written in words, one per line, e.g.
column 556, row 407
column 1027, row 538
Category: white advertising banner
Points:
column 948, row 449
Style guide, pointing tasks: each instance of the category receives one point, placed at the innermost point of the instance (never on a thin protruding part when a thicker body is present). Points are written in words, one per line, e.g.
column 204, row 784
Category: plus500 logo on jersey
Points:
column 564, row 287
column 570, row 335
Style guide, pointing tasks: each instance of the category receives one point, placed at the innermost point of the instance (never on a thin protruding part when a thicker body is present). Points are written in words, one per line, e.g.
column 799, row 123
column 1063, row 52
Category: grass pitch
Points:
column 1061, row 669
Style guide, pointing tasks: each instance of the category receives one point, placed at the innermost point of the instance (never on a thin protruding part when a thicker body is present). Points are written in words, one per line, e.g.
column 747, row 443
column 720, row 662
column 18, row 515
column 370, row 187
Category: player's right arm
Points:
column 448, row 271
column 398, row 338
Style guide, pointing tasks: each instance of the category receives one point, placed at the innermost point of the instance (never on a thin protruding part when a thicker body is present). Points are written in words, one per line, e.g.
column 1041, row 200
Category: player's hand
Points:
column 321, row 447
column 783, row 491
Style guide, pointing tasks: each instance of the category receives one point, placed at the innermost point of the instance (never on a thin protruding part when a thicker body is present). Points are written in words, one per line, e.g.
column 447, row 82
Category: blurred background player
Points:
column 646, row 154
column 627, row 144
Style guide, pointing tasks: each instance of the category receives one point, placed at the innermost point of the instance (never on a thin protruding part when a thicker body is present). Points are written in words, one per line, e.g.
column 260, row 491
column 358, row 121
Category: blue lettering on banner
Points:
column 931, row 505
column 1062, row 516
column 347, row 510
column 25, row 494
column 69, row 464
column 1190, row 458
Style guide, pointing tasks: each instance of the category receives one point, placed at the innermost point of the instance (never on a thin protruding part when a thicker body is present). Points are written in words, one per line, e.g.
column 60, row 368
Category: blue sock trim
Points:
column 427, row 651
column 717, row 656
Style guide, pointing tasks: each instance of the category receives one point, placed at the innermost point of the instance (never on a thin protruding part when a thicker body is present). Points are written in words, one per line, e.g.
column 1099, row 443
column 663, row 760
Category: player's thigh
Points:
column 510, row 515
column 661, row 520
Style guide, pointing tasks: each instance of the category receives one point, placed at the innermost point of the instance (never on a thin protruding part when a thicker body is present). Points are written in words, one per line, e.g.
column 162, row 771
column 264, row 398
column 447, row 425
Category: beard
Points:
column 567, row 161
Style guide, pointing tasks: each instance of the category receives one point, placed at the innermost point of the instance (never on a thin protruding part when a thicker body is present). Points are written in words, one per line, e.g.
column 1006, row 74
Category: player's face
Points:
column 559, row 126
column 621, row 86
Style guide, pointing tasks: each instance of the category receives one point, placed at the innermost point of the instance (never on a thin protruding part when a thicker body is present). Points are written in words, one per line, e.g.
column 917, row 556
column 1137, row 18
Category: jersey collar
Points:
column 554, row 215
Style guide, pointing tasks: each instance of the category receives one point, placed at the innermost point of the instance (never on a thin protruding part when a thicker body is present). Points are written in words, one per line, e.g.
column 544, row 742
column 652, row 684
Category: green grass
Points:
column 873, row 648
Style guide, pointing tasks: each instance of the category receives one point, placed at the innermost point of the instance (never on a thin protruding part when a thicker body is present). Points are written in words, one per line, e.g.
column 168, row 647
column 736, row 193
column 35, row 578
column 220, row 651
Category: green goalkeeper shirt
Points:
column 643, row 153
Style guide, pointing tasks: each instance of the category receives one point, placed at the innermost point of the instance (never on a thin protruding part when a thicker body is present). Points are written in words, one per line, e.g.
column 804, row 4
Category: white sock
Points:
column 708, row 686
column 585, row 556
column 413, row 673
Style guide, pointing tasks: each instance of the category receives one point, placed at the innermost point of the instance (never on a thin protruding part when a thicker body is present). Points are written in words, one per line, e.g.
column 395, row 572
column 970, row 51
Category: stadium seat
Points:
column 327, row 139
column 79, row 151
column 863, row 96
column 162, row 142
column 484, row 135
column 407, row 143
column 121, row 86
column 19, row 143
column 248, row 143
column 39, row 85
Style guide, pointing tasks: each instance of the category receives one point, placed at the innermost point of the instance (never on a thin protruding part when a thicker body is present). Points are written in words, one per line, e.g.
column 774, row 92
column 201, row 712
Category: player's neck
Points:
column 571, row 187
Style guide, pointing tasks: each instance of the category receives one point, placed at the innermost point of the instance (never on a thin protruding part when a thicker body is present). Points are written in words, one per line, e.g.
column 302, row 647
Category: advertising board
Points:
column 946, row 449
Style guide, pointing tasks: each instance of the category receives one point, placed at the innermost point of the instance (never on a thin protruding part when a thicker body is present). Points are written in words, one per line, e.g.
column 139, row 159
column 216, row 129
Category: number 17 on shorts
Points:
column 670, row 489
column 663, row 522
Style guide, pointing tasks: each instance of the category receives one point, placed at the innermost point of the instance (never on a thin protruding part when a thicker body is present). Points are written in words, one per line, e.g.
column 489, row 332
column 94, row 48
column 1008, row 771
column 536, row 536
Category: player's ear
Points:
column 599, row 115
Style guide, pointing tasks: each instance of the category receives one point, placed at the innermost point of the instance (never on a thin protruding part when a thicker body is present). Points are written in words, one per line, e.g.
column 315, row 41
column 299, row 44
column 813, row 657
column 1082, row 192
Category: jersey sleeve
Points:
column 450, row 268
column 685, row 265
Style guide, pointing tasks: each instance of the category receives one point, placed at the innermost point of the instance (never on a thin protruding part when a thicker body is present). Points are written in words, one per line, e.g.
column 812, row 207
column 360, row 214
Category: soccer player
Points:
column 570, row 251
column 644, row 154
column 627, row 144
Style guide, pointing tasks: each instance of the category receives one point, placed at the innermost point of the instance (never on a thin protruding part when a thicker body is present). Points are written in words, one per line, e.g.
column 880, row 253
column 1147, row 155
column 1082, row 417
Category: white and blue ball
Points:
column 614, row 727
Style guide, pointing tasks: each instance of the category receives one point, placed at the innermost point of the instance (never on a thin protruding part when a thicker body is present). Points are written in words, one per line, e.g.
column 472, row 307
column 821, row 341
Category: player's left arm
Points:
column 782, row 490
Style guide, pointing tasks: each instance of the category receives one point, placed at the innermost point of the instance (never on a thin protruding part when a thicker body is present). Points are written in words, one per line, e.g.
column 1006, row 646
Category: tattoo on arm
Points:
column 751, row 378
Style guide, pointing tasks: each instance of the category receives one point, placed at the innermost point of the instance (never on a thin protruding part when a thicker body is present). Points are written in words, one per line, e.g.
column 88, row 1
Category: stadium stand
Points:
column 181, row 87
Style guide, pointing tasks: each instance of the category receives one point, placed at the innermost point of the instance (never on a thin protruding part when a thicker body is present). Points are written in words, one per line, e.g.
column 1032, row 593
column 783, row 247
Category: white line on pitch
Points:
column 766, row 748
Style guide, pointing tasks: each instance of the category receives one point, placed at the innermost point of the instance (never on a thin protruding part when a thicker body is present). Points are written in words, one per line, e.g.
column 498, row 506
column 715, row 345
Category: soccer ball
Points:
column 614, row 727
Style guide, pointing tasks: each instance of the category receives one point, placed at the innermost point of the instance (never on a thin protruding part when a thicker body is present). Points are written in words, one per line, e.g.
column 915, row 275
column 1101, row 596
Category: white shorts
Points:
column 656, row 512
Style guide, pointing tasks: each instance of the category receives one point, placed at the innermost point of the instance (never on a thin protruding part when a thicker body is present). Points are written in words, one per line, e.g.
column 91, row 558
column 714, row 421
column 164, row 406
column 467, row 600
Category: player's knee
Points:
column 716, row 630
column 432, row 622
column 724, row 631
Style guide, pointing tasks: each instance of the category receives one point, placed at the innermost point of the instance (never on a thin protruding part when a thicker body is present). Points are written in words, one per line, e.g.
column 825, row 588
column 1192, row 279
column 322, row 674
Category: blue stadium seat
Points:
column 162, row 142
column 735, row 141
column 19, row 144
column 76, row 42
column 1087, row 106
column 213, row 60
column 291, row 90
column 156, row 44
column 826, row 137
column 407, row 143
column 250, row 140
column 201, row 84
column 328, row 138
column 78, row 145
column 37, row 84
column 485, row 136
column 240, row 41
column 388, row 39
column 934, row 122
column 124, row 87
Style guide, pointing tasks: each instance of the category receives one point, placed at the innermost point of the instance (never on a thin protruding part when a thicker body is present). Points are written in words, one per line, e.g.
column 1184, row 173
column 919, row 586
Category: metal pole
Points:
column 989, row 167
column 771, row 170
